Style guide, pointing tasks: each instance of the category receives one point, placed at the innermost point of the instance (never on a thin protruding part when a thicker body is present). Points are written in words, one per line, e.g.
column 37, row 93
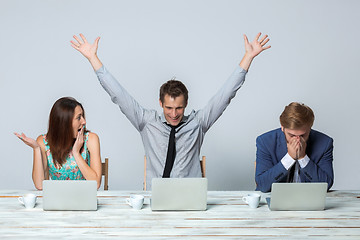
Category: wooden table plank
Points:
column 227, row 217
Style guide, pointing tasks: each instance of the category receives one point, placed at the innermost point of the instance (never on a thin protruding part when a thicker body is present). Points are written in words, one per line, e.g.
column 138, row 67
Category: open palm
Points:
column 256, row 46
column 84, row 47
column 27, row 140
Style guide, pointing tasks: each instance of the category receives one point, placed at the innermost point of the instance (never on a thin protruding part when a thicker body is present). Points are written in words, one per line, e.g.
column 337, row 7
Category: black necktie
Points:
column 171, row 153
column 292, row 172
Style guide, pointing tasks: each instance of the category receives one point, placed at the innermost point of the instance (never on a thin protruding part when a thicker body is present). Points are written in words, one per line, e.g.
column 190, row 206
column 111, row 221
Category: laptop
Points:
column 179, row 194
column 297, row 196
column 69, row 195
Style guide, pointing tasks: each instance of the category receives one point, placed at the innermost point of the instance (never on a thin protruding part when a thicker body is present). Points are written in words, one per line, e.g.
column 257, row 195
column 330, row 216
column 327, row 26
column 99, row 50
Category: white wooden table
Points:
column 227, row 217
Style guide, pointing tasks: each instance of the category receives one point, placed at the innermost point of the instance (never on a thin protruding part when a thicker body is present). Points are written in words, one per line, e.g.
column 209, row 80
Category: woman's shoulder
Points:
column 41, row 139
column 92, row 137
column 93, row 141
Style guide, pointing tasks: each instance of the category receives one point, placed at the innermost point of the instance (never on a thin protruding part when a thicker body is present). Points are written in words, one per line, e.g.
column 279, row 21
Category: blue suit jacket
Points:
column 271, row 148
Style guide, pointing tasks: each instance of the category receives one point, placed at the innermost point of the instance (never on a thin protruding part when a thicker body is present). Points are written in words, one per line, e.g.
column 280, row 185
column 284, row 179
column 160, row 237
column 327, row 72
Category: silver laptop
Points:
column 69, row 195
column 297, row 196
column 179, row 194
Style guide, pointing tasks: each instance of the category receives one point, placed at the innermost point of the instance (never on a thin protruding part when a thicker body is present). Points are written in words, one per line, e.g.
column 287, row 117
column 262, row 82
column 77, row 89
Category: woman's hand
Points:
column 79, row 142
column 28, row 141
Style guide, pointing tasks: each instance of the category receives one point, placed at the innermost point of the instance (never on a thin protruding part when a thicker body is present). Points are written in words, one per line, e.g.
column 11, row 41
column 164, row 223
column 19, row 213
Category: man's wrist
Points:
column 303, row 161
column 249, row 56
column 287, row 161
column 93, row 58
column 246, row 61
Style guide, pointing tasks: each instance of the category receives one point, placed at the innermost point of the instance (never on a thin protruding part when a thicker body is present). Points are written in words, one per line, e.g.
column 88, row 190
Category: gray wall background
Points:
column 314, row 59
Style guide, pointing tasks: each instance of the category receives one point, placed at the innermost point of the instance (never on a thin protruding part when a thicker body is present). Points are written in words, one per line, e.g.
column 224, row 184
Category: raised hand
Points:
column 257, row 46
column 28, row 141
column 84, row 47
column 87, row 50
column 253, row 49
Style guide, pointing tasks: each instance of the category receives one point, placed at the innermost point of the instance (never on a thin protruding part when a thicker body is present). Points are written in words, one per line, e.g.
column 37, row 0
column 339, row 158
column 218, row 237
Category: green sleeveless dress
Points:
column 69, row 170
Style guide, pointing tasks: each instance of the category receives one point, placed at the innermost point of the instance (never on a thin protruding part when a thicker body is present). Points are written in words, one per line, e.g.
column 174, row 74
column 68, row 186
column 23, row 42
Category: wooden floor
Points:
column 227, row 217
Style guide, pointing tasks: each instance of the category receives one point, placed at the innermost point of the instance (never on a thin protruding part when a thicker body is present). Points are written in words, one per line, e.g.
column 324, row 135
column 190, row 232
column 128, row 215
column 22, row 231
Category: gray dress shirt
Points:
column 155, row 133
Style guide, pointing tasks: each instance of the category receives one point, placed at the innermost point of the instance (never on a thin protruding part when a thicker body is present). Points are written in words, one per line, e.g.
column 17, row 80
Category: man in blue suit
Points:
column 294, row 152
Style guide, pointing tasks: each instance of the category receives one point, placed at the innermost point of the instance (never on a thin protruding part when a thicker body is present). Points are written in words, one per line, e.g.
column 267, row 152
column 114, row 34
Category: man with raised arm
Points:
column 171, row 140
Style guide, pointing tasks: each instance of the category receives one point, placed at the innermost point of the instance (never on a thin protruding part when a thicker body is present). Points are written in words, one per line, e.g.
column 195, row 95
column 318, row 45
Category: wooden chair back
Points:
column 105, row 173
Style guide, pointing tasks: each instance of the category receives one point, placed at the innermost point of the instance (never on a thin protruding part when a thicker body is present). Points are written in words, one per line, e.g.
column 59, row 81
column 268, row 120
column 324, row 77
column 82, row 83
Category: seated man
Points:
column 294, row 152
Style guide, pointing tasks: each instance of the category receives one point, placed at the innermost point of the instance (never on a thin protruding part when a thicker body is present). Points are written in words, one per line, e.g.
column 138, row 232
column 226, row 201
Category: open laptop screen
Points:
column 298, row 196
column 175, row 194
column 69, row 195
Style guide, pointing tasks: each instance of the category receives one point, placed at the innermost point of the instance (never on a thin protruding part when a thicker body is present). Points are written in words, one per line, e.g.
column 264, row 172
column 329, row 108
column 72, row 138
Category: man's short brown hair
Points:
column 297, row 115
column 173, row 88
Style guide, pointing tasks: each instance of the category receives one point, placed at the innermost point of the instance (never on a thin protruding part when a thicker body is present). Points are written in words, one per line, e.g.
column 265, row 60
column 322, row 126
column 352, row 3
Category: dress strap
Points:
column 45, row 142
column 86, row 140
column 85, row 151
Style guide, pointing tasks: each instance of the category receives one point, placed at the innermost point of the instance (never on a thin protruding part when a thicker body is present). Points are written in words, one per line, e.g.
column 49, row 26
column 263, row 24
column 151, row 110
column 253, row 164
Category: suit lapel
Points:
column 310, row 144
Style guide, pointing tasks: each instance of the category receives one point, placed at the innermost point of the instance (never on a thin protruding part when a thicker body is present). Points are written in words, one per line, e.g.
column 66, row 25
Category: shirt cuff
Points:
column 304, row 161
column 240, row 69
column 100, row 70
column 287, row 161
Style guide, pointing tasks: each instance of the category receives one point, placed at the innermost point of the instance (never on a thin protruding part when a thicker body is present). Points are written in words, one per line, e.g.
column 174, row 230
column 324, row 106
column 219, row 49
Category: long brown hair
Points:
column 60, row 134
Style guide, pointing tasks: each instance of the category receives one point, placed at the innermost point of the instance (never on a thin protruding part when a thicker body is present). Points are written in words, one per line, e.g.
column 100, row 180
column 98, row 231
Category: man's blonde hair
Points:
column 297, row 115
